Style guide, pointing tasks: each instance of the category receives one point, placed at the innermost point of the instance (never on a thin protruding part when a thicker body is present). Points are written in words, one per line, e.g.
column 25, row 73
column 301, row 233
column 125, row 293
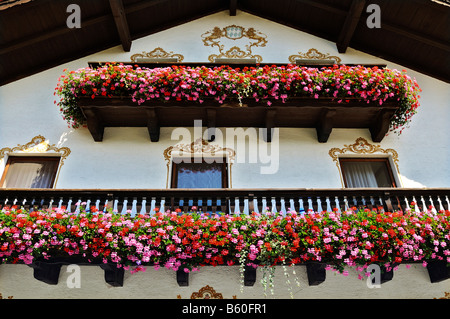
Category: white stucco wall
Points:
column 18, row 281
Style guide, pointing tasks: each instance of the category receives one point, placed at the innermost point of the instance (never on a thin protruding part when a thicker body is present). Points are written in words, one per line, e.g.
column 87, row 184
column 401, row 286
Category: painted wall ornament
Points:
column 38, row 144
column 206, row 292
column 157, row 53
column 362, row 147
column 225, row 39
column 314, row 54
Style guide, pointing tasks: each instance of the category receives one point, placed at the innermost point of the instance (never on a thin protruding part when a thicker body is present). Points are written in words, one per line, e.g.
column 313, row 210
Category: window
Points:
column 30, row 172
column 206, row 174
column 367, row 172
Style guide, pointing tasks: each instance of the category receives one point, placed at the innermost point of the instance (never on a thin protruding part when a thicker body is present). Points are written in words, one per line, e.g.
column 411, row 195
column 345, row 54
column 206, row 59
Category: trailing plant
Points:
column 265, row 84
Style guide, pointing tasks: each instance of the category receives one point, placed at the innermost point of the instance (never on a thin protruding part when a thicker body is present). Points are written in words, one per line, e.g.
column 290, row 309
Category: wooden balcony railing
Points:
column 244, row 201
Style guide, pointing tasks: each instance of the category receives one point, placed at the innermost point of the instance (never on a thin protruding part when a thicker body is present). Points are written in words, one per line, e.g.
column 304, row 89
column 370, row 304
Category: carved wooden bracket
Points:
column 46, row 272
column 182, row 277
column 316, row 273
column 438, row 270
column 249, row 275
column 113, row 274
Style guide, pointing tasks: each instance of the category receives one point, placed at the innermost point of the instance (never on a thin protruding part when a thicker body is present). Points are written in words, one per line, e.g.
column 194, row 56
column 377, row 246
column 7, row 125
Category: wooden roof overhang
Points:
column 323, row 114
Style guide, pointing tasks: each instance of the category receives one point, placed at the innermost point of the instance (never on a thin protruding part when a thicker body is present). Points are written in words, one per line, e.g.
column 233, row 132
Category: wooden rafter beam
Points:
column 349, row 27
column 120, row 19
column 48, row 35
column 323, row 6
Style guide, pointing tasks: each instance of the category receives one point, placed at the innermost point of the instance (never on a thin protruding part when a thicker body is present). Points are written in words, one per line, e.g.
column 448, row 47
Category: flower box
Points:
column 48, row 270
column 47, row 239
column 379, row 99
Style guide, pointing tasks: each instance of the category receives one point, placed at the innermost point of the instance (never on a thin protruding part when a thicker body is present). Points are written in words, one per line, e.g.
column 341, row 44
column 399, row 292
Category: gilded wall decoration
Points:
column 9, row 297
column 200, row 147
column 446, row 296
column 157, row 53
column 206, row 292
column 217, row 37
column 313, row 54
column 38, row 144
column 362, row 147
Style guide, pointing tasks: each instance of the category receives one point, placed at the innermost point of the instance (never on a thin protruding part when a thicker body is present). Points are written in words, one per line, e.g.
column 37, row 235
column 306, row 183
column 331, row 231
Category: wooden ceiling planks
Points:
column 414, row 33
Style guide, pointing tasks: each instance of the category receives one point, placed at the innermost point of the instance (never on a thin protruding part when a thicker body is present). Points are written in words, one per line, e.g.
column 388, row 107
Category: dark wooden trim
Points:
column 349, row 27
column 211, row 115
column 233, row 7
column 182, row 277
column 151, row 65
column 36, row 38
column 316, row 273
column 325, row 125
column 421, row 38
column 120, row 19
column 142, row 5
column 324, row 114
column 113, row 274
column 46, row 272
column 94, row 123
column 381, row 124
column 249, row 276
column 323, row 6
column 438, row 270
column 153, row 124
column 271, row 113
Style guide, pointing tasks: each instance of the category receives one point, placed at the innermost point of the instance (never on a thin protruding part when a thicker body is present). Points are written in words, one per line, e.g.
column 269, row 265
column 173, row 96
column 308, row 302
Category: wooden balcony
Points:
column 244, row 201
column 323, row 113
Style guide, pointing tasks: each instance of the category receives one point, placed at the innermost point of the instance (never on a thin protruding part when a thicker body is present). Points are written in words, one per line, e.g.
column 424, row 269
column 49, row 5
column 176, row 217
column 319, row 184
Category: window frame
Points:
column 225, row 169
column 394, row 183
column 24, row 159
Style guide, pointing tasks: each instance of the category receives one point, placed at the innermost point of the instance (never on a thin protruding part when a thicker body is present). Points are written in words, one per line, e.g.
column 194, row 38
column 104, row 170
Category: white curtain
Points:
column 360, row 174
column 30, row 175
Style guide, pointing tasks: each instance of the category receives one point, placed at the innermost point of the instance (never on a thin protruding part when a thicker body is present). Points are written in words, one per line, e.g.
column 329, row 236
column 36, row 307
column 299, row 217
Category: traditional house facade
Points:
column 162, row 149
